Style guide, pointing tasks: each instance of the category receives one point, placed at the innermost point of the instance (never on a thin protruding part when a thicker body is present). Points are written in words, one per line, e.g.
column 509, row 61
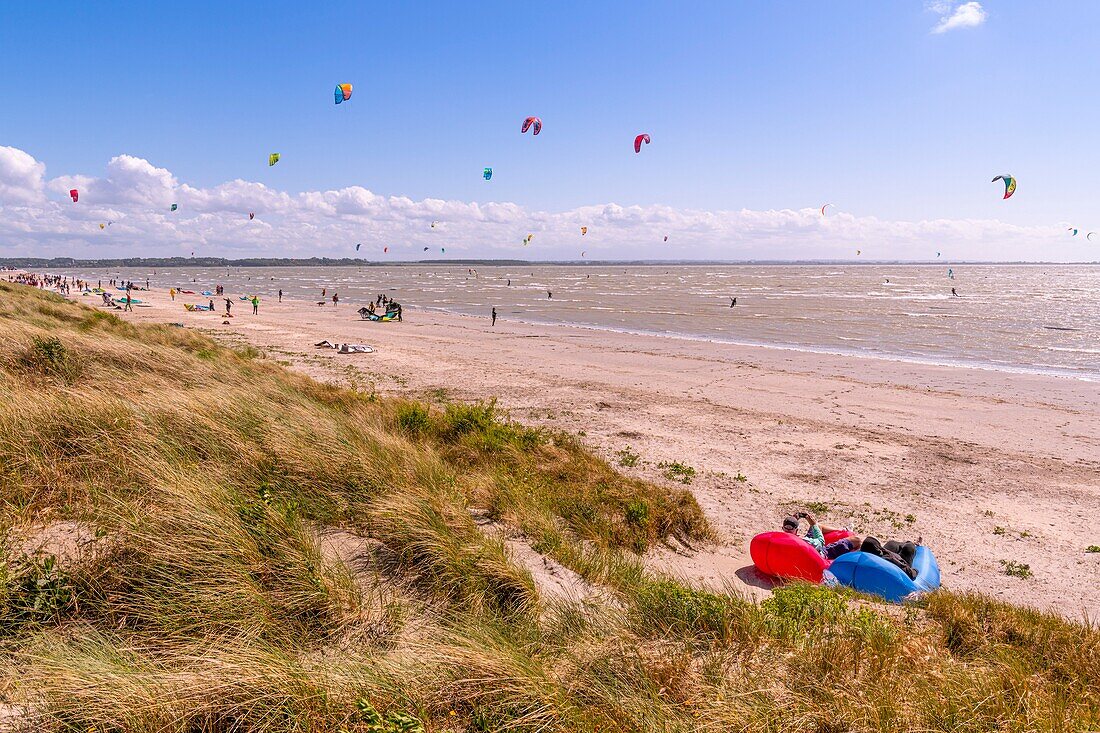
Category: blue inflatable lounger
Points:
column 869, row 573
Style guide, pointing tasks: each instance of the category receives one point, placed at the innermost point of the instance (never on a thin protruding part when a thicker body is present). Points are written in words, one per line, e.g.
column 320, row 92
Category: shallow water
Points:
column 1035, row 318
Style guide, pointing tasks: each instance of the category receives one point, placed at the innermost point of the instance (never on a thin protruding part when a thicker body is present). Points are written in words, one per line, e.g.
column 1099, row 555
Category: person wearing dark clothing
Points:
column 228, row 307
column 891, row 552
column 280, row 296
column 494, row 316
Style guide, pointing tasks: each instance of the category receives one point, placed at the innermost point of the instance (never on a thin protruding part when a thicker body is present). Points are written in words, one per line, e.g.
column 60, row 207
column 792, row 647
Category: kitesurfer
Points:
column 733, row 302
column 954, row 293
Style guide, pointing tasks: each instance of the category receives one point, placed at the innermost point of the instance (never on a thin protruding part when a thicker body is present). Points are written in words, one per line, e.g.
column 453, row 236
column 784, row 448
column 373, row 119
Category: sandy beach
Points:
column 987, row 467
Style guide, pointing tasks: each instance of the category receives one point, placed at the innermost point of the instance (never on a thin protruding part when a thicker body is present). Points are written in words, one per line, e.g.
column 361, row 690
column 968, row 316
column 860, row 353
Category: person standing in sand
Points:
column 129, row 293
column 172, row 292
column 228, row 307
column 335, row 299
column 494, row 317
column 280, row 295
column 256, row 305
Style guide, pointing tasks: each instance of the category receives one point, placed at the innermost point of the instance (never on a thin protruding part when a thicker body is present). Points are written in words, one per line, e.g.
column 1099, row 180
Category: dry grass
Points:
column 206, row 603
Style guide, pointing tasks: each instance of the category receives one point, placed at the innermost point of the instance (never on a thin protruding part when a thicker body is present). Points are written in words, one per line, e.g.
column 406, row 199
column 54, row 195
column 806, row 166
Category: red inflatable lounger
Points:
column 788, row 556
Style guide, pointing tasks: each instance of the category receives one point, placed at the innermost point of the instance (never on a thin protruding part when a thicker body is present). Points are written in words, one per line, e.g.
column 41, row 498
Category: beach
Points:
column 994, row 470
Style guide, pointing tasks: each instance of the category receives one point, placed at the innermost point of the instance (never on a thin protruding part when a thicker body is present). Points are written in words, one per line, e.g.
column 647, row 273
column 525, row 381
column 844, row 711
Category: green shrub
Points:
column 48, row 357
column 413, row 418
column 676, row 471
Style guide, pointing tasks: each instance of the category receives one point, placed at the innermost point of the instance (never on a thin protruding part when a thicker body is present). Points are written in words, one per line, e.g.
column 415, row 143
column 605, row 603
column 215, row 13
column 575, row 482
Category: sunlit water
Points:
column 1036, row 318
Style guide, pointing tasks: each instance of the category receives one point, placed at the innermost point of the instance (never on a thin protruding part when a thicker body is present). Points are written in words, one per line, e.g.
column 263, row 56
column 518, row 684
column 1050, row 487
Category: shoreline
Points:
column 988, row 466
column 826, row 351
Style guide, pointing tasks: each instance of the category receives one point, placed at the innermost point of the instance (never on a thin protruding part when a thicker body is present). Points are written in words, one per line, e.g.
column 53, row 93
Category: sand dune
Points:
column 988, row 467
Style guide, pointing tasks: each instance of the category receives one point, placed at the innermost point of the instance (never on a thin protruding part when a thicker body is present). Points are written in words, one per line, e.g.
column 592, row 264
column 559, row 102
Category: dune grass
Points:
column 205, row 597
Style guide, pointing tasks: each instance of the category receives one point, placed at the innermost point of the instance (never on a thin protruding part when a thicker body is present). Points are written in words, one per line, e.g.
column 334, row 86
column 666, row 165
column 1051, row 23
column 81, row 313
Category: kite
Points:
column 823, row 209
column 443, row 250
column 584, row 230
column 175, row 206
column 487, row 174
column 644, row 137
column 1089, row 236
column 272, row 159
column 251, row 215
column 1010, row 184
column 342, row 93
column 582, row 254
column 1071, row 229
column 666, row 237
column 434, row 223
column 75, row 195
column 858, row 251
column 527, row 239
column 385, row 249
column 102, row 226
column 425, row 249
column 531, row 123
column 937, row 254
column 358, row 246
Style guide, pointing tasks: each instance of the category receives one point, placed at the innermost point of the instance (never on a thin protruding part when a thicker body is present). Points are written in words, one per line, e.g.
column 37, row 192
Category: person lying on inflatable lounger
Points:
column 815, row 537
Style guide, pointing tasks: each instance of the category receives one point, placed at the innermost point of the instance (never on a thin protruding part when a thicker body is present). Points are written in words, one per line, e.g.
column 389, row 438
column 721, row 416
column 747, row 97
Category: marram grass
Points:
column 201, row 595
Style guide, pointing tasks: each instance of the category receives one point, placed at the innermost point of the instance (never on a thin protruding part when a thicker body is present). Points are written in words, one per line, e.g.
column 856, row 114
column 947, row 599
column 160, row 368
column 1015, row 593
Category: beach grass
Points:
column 197, row 539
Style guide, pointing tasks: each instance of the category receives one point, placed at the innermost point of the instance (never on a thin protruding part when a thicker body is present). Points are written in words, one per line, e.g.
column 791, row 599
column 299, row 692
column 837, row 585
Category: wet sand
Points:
column 988, row 467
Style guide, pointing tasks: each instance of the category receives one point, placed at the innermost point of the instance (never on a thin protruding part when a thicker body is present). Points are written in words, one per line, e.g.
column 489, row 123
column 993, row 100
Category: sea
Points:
column 1041, row 318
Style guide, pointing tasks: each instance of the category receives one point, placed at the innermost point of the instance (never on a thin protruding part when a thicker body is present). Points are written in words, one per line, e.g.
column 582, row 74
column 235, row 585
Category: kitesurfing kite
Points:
column 425, row 249
column 102, row 226
column 1089, row 236
column 434, row 223
column 858, row 251
column 175, row 206
column 487, row 174
column 75, row 195
column 666, row 237
column 358, row 246
column 385, row 249
column 531, row 123
column 1071, row 229
column 582, row 254
column 584, row 230
column 527, row 239
column 251, row 215
column 272, row 159
column 643, row 138
column 1010, row 184
column 342, row 93
column 823, row 209
column 937, row 254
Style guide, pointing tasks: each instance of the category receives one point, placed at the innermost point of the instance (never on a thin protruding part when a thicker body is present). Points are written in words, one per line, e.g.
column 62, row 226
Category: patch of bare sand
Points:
column 989, row 467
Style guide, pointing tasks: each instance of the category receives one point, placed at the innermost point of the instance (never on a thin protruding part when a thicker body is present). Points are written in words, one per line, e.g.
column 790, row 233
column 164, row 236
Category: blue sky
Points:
column 753, row 106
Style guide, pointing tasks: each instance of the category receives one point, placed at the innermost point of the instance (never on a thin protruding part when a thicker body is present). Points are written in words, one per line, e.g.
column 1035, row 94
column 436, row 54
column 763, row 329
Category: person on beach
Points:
column 898, row 553
column 228, row 307
column 335, row 299
column 815, row 537
column 324, row 292
column 129, row 293
column 172, row 292
column 549, row 295
column 280, row 295
column 733, row 302
column 494, row 316
column 255, row 305
column 211, row 305
column 954, row 293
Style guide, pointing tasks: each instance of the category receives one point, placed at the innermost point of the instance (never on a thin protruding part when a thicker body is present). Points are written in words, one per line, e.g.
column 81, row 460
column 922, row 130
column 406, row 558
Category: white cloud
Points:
column 966, row 15
column 37, row 219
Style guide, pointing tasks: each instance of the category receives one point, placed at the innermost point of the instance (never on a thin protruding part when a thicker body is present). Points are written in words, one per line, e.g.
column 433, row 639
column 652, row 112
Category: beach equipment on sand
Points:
column 787, row 556
column 872, row 574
